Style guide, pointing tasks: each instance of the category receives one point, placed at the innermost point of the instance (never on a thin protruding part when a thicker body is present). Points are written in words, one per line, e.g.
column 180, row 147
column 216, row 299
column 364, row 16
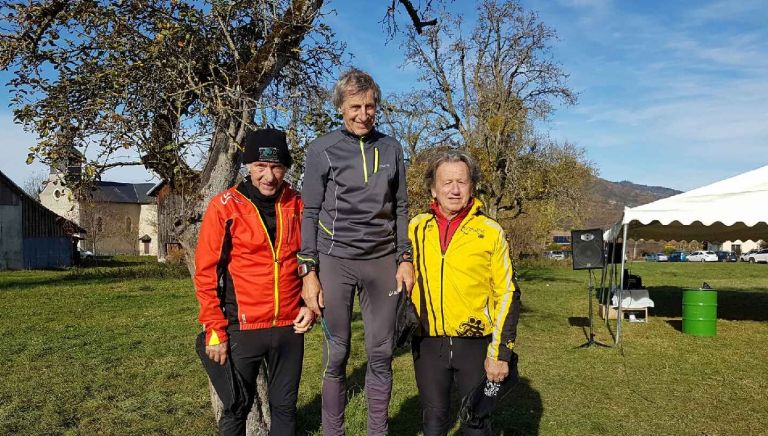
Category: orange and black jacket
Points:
column 241, row 278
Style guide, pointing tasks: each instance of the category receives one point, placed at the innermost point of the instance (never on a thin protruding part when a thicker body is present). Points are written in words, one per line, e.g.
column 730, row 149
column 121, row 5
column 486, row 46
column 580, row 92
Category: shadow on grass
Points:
column 519, row 413
column 84, row 276
column 676, row 324
column 534, row 275
column 308, row 417
column 731, row 305
column 582, row 322
column 578, row 321
column 544, row 273
column 112, row 262
column 407, row 421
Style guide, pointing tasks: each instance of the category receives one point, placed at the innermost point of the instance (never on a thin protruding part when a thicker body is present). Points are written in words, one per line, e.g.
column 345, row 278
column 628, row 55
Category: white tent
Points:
column 731, row 209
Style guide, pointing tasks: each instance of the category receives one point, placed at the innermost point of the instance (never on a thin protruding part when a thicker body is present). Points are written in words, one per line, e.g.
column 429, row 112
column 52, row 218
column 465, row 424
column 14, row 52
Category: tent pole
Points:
column 605, row 294
column 603, row 273
column 619, row 314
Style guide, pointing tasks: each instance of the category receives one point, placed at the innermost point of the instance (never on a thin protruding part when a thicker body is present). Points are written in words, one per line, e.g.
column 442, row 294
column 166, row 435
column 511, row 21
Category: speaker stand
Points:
column 591, row 339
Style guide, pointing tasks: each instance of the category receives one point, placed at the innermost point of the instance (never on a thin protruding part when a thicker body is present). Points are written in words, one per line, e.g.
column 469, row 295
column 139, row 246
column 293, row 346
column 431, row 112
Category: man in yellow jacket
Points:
column 465, row 293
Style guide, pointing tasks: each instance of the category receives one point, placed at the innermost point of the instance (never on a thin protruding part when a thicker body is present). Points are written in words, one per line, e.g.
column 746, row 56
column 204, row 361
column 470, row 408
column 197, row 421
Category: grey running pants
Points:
column 375, row 281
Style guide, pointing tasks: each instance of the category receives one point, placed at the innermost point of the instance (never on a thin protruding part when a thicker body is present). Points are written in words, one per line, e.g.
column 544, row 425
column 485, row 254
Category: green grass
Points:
column 109, row 350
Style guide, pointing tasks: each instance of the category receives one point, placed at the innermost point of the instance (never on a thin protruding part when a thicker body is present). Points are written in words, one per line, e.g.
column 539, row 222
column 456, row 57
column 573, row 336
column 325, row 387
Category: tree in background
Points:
column 484, row 91
column 169, row 85
column 33, row 184
column 409, row 118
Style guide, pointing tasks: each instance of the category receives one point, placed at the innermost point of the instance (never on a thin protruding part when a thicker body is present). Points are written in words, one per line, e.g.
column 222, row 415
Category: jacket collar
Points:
column 473, row 208
column 369, row 137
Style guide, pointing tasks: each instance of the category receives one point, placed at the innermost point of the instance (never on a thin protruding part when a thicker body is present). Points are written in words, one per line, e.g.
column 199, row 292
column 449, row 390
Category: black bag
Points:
column 477, row 405
column 632, row 281
column 406, row 320
column 225, row 380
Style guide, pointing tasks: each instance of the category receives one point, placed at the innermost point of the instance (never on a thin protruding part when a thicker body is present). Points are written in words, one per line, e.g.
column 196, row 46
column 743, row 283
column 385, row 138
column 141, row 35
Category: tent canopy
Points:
column 731, row 209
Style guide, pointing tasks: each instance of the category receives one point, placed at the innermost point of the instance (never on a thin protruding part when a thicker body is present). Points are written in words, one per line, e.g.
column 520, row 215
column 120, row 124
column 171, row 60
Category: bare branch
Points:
column 418, row 23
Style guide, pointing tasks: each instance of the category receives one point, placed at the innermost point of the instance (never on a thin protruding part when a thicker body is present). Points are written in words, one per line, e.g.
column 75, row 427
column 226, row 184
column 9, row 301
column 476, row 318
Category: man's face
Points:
column 452, row 188
column 267, row 177
column 359, row 112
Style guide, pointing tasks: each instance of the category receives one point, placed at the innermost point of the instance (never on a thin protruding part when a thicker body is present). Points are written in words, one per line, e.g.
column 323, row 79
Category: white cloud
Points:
column 660, row 95
column 720, row 10
column 599, row 5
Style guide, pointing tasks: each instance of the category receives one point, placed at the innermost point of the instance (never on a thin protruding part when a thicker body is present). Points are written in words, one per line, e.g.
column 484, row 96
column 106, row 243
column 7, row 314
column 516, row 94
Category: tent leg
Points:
column 610, row 271
column 619, row 314
column 603, row 290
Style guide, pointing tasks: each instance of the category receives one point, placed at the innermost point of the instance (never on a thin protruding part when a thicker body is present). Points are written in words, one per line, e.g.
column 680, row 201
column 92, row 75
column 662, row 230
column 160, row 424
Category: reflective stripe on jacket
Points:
column 240, row 277
column 469, row 291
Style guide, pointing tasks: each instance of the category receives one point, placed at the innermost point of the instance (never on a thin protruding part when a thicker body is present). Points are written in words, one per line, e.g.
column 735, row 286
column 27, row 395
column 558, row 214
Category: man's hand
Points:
column 217, row 353
column 404, row 276
column 304, row 320
column 496, row 370
column 312, row 293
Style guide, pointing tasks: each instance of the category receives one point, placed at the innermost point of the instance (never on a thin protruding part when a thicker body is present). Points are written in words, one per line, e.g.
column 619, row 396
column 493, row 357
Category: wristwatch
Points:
column 306, row 267
column 405, row 256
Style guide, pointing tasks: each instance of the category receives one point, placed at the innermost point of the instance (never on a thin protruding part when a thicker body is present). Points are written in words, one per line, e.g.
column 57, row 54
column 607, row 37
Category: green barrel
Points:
column 700, row 312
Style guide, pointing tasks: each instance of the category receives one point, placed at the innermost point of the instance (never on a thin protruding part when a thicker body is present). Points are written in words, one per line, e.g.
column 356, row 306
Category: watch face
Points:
column 305, row 268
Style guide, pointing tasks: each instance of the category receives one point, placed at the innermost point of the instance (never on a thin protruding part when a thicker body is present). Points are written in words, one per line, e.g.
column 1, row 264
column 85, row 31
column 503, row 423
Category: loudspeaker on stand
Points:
column 587, row 249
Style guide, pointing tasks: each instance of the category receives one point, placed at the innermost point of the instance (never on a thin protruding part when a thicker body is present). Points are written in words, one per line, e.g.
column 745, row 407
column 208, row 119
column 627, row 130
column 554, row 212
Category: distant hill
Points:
column 608, row 200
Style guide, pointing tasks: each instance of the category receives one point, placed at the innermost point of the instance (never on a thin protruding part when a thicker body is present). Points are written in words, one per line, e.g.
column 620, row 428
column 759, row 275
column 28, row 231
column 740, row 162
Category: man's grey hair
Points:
column 451, row 156
column 353, row 82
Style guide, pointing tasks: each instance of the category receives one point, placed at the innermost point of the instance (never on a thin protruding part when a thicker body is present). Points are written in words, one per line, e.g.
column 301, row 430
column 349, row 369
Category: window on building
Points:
column 128, row 224
column 99, row 224
column 561, row 239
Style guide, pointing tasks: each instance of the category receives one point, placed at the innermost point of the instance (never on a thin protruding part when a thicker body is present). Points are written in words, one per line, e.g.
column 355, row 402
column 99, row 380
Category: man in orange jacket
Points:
column 247, row 283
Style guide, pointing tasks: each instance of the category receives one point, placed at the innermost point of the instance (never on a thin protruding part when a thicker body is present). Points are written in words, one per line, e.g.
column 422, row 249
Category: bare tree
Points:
column 486, row 92
column 35, row 183
column 409, row 118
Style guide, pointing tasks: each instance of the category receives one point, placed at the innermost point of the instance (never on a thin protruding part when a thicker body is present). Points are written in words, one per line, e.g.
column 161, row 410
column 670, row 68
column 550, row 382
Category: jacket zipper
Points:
column 442, row 261
column 279, row 232
column 442, row 269
column 365, row 163
column 275, row 251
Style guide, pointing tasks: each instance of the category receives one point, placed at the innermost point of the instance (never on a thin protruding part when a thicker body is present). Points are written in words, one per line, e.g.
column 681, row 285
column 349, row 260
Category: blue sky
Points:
column 670, row 93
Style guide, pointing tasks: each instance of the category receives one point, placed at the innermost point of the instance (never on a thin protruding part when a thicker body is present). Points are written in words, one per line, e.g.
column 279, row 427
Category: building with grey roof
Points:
column 119, row 217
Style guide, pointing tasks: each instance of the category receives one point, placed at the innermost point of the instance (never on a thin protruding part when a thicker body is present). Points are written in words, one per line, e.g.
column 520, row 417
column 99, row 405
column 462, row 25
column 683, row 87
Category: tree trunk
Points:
column 258, row 419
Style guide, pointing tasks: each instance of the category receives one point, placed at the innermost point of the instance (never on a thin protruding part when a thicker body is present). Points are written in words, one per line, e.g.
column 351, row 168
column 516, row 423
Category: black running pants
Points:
column 283, row 351
column 439, row 362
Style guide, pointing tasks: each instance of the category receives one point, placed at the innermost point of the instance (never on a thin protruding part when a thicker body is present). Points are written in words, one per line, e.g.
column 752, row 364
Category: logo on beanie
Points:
column 269, row 154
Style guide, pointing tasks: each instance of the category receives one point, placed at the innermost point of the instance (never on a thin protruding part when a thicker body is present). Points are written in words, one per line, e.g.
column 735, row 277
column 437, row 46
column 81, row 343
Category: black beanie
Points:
column 266, row 145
